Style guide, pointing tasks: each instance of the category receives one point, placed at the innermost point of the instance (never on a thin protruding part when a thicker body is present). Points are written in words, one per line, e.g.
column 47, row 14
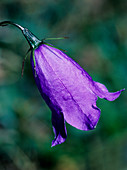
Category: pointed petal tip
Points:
column 123, row 89
column 114, row 96
column 103, row 92
column 58, row 140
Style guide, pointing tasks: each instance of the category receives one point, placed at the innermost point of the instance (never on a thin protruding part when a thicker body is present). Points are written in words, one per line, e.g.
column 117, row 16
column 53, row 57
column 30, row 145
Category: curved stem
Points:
column 31, row 38
column 33, row 41
column 5, row 23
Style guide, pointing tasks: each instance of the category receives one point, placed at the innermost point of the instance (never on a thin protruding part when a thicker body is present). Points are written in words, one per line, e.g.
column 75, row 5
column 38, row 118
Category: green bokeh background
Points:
column 98, row 42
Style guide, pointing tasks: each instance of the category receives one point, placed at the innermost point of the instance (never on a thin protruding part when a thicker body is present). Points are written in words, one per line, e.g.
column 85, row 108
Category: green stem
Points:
column 58, row 38
column 31, row 38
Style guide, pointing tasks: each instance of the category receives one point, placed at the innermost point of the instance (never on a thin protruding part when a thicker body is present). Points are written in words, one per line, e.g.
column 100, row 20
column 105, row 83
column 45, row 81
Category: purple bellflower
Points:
column 68, row 90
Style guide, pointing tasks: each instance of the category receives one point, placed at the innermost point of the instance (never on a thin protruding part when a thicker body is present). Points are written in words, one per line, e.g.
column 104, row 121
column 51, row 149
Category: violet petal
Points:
column 59, row 128
column 69, row 90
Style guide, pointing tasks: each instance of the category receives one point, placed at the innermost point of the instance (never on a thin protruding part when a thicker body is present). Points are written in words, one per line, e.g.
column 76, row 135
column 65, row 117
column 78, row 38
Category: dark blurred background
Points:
column 98, row 42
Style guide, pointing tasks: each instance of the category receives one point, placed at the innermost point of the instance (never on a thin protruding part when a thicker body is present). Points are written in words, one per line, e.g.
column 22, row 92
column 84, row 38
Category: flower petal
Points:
column 69, row 91
column 67, row 85
column 103, row 92
column 59, row 128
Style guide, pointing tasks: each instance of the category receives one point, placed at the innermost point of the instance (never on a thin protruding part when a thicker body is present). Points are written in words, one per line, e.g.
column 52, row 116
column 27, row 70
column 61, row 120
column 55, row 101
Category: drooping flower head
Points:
column 68, row 89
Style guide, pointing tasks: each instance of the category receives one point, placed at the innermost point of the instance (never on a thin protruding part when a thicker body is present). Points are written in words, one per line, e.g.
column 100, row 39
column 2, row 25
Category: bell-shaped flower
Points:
column 68, row 89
